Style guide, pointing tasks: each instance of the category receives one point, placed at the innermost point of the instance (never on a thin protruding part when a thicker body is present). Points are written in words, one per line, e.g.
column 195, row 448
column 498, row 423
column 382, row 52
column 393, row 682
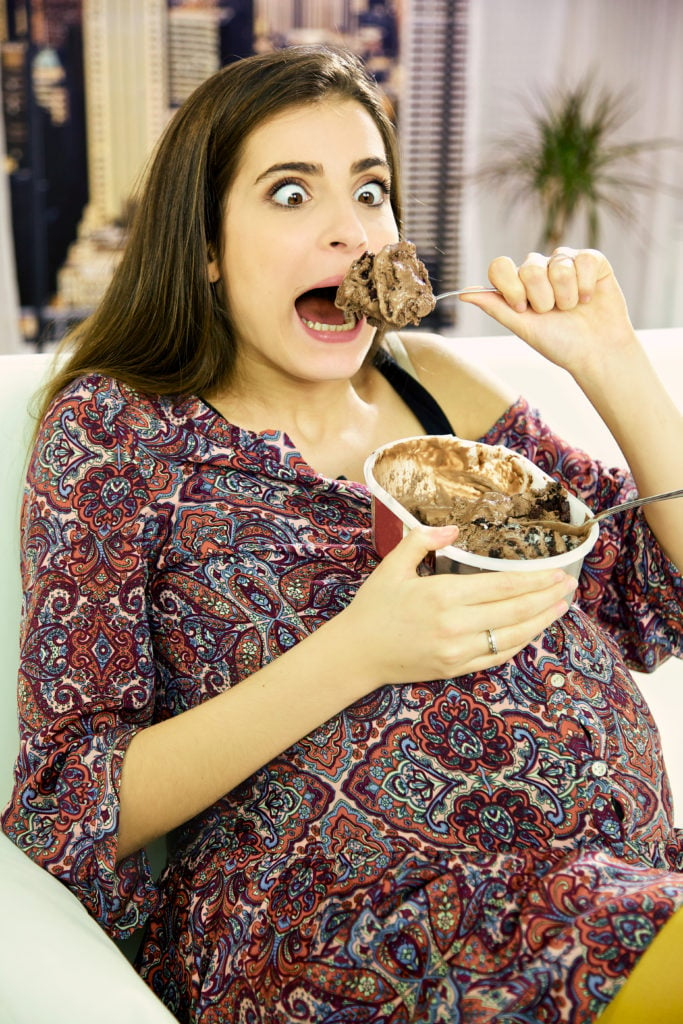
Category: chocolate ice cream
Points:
column 487, row 491
column 496, row 525
column 391, row 288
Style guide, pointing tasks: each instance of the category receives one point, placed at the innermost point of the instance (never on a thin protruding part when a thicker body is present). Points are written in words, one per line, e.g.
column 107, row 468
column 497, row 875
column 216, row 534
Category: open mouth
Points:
column 317, row 310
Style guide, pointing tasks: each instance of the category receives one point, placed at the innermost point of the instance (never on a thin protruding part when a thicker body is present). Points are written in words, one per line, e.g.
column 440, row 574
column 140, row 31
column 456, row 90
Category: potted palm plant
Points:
column 570, row 164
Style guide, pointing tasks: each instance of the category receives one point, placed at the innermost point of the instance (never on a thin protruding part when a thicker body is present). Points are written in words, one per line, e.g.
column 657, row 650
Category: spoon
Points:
column 466, row 291
column 576, row 529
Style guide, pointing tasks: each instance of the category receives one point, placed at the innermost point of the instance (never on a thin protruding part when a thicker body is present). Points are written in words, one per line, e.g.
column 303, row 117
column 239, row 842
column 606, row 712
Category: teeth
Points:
column 348, row 325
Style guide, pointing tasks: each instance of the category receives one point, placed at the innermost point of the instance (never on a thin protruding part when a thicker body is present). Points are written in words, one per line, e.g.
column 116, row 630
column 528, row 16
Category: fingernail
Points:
column 560, row 575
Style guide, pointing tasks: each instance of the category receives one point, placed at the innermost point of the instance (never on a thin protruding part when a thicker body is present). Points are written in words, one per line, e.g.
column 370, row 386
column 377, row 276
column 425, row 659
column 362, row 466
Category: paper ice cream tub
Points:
column 410, row 467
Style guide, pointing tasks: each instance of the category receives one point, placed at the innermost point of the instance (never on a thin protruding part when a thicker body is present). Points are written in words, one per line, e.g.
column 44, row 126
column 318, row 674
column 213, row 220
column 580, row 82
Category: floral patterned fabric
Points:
column 495, row 847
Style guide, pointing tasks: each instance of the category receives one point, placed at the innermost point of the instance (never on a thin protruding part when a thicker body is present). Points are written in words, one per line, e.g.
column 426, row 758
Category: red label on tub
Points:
column 387, row 528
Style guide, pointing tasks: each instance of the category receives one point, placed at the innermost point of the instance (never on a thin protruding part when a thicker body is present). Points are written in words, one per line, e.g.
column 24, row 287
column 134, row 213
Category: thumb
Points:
column 406, row 557
column 497, row 308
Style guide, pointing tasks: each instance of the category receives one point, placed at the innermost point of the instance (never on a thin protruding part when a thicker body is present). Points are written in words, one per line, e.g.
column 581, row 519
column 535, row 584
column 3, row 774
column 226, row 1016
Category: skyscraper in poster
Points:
column 126, row 85
column 283, row 17
column 43, row 107
column 432, row 126
column 202, row 37
column 141, row 61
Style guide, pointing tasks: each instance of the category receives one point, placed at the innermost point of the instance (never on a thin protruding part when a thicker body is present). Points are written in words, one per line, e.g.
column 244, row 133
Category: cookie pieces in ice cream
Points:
column 390, row 288
column 495, row 496
column 499, row 525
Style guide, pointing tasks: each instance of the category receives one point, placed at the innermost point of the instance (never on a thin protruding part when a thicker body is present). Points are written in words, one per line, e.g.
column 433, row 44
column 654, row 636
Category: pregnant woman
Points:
column 374, row 813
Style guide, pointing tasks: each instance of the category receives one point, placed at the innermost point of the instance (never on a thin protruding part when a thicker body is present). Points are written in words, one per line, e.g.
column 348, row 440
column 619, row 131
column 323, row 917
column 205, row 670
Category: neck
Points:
column 330, row 423
column 310, row 410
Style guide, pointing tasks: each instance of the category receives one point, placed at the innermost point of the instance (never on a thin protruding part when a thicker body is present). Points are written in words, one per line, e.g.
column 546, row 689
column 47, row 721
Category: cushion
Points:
column 56, row 963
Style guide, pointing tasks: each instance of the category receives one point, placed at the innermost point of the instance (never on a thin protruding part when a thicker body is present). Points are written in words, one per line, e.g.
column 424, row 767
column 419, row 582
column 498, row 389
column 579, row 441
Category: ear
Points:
column 213, row 267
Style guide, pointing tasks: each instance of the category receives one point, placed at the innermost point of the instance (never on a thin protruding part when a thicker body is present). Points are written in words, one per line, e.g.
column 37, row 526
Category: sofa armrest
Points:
column 56, row 963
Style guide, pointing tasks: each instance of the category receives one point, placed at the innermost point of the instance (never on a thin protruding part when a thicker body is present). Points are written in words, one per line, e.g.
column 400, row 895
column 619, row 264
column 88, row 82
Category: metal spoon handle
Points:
column 577, row 529
column 465, row 291
column 625, row 505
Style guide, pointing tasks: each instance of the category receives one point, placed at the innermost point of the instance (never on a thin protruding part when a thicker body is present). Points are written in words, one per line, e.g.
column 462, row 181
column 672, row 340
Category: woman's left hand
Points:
column 567, row 306
column 570, row 308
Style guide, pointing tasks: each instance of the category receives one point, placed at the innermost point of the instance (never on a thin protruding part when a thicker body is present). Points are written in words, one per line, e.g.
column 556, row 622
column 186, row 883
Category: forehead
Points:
column 321, row 132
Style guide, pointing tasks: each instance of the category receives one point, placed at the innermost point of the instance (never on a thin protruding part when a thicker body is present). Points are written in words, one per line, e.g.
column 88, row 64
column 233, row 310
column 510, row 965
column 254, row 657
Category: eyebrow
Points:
column 302, row 167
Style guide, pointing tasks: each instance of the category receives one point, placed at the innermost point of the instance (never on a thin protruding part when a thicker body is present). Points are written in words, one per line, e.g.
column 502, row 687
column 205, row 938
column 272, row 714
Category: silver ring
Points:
column 493, row 646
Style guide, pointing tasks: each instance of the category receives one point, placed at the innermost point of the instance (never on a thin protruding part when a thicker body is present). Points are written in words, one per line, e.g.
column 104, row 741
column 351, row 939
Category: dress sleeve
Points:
column 87, row 678
column 628, row 584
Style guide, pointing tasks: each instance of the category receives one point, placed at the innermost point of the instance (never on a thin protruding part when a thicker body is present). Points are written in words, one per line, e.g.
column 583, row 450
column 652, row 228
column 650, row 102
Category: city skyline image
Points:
column 89, row 85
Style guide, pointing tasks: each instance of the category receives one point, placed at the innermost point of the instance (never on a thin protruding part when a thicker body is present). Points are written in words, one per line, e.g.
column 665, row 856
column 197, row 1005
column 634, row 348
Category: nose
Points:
column 345, row 228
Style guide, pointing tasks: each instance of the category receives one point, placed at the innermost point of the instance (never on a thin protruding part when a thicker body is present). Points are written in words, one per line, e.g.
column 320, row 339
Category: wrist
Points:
column 607, row 364
column 351, row 654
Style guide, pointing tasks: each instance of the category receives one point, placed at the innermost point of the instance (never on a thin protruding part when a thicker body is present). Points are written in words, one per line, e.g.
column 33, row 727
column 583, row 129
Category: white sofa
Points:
column 56, row 964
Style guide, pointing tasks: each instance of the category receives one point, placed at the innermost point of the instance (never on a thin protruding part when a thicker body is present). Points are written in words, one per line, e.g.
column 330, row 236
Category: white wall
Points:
column 519, row 49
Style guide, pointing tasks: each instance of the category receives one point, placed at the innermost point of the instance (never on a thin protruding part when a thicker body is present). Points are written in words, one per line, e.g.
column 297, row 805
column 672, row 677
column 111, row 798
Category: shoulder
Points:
column 104, row 412
column 105, row 397
column 98, row 429
column 107, row 454
column 471, row 397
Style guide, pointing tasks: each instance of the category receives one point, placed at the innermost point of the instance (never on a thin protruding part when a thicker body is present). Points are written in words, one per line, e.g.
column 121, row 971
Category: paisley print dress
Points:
column 494, row 847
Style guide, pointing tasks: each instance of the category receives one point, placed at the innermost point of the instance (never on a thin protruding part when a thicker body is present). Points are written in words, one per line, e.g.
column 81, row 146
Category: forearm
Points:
column 399, row 628
column 570, row 309
column 177, row 768
column 644, row 420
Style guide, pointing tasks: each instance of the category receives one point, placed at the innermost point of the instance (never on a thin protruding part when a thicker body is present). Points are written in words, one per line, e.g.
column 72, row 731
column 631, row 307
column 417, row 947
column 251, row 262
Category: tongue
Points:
column 318, row 308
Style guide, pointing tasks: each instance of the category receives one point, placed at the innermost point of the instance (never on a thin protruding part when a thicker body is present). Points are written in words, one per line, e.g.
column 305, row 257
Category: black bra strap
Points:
column 416, row 397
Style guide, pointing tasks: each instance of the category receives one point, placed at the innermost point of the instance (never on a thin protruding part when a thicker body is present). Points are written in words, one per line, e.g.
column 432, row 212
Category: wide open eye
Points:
column 372, row 193
column 289, row 193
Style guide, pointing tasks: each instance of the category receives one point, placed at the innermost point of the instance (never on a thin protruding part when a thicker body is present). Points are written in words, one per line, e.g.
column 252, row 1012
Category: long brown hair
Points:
column 161, row 326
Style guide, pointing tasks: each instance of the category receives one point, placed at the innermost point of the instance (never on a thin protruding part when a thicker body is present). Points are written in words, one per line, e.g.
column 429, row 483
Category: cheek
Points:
column 384, row 231
column 253, row 253
column 259, row 262
column 251, row 286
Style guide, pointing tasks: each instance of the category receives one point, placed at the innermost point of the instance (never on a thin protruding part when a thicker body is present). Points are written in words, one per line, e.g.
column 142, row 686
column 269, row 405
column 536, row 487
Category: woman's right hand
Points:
column 417, row 628
column 399, row 628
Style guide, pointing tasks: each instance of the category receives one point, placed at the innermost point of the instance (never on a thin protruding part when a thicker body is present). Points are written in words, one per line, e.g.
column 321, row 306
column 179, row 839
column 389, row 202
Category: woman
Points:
column 374, row 815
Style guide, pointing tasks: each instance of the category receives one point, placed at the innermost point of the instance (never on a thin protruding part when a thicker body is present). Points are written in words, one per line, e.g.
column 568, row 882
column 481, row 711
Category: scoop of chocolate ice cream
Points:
column 496, row 524
column 389, row 288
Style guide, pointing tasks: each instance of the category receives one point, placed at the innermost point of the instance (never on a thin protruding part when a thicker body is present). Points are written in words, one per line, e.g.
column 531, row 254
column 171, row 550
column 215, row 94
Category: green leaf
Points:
column 569, row 163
